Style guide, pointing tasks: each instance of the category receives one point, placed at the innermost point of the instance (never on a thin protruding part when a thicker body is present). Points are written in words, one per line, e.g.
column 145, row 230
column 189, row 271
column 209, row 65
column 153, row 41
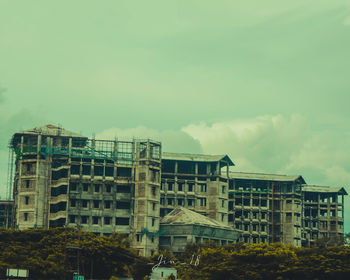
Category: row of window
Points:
column 98, row 204
column 182, row 187
column 97, row 188
column 99, row 170
column 97, row 220
column 253, row 227
column 182, row 202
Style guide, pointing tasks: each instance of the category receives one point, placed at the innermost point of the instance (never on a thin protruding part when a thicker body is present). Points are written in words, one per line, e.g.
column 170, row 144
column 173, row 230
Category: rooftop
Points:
column 181, row 215
column 197, row 157
column 268, row 177
column 324, row 189
column 47, row 130
column 51, row 130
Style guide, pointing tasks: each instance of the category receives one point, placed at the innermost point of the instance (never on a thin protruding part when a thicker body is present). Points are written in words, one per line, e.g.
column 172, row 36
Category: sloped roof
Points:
column 181, row 215
column 51, row 130
column 267, row 177
column 324, row 189
column 197, row 157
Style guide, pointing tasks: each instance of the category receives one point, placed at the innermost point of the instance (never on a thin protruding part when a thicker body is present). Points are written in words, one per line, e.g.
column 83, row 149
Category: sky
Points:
column 266, row 82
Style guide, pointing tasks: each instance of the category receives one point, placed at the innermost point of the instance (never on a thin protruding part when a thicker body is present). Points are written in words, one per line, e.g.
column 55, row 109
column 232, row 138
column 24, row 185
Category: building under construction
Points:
column 65, row 179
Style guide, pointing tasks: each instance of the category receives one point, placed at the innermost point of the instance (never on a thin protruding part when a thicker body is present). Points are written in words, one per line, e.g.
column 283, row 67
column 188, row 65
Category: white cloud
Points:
column 172, row 141
column 264, row 143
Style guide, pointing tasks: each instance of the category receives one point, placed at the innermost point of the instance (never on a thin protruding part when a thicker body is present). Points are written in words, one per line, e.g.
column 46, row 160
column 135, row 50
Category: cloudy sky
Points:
column 266, row 82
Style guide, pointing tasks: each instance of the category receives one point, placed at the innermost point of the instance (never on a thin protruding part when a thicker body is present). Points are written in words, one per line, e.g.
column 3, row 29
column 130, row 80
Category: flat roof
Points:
column 266, row 177
column 324, row 189
column 197, row 157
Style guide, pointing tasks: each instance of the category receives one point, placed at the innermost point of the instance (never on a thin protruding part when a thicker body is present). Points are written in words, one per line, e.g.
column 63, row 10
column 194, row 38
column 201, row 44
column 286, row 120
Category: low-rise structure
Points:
column 183, row 226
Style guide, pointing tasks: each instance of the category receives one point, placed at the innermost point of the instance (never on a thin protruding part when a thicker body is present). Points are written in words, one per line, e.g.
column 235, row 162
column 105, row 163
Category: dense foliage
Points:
column 262, row 261
column 55, row 254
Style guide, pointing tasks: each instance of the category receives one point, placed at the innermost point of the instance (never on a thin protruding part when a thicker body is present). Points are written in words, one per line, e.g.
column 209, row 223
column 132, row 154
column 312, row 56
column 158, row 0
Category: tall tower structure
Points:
column 103, row 186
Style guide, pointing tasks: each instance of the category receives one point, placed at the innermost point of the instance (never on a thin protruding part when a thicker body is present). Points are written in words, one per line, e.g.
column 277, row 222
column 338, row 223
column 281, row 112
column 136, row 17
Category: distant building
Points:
column 182, row 226
column 6, row 213
column 62, row 178
column 323, row 213
column 266, row 207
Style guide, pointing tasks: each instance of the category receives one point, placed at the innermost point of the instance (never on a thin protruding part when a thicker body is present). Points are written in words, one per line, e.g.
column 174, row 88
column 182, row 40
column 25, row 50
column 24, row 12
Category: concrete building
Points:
column 196, row 182
column 63, row 178
column 266, row 207
column 6, row 213
column 323, row 213
column 182, row 226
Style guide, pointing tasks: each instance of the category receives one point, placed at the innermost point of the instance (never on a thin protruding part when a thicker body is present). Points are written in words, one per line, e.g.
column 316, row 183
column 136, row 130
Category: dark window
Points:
column 108, row 188
column 97, row 188
column 123, row 189
column 153, row 190
column 180, row 187
column 96, row 204
column 190, row 202
column 107, row 204
column 56, row 191
column 153, row 221
column 72, row 219
column 123, row 172
column 230, row 218
column 203, row 202
column 73, row 203
column 107, row 220
column 122, row 221
column 73, row 186
column 60, row 206
column 84, row 219
column 153, row 206
column 26, row 216
column 85, row 187
column 98, row 170
column 95, row 220
column 27, row 184
column 75, row 169
column 87, row 170
column 190, row 187
column 27, row 200
column 85, row 204
column 109, row 171
column 123, row 205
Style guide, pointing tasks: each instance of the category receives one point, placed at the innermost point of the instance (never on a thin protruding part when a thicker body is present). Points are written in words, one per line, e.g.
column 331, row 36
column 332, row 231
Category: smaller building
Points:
column 162, row 273
column 6, row 213
column 182, row 226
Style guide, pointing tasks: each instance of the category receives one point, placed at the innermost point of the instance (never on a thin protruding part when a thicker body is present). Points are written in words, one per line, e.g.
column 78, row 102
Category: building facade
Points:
column 65, row 179
column 266, row 207
column 323, row 213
